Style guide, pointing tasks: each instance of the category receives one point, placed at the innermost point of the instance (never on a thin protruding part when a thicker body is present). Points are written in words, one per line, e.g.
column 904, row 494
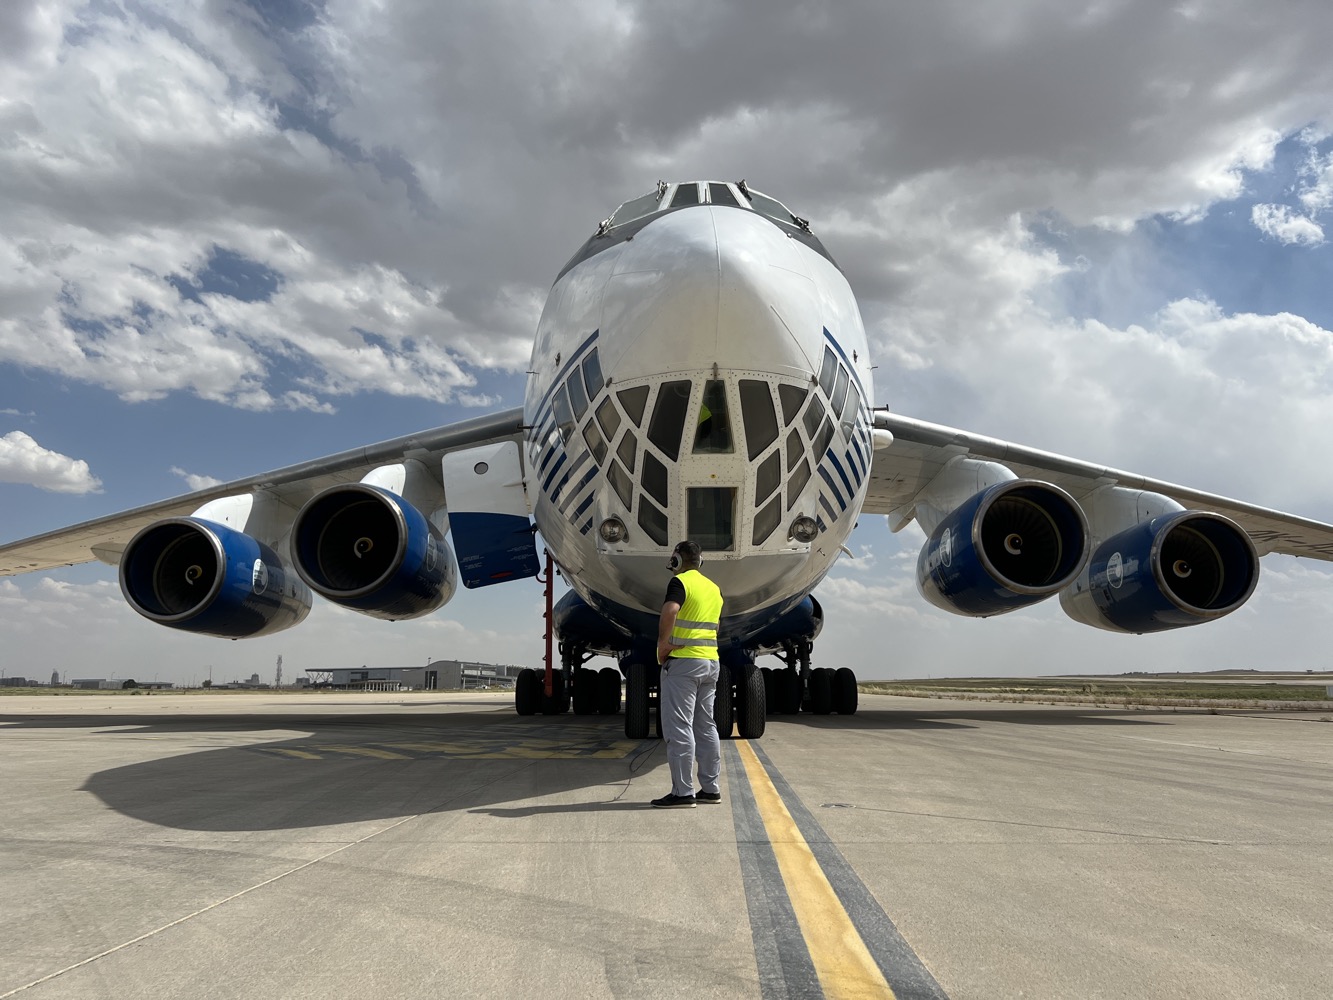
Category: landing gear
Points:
column 608, row 691
column 585, row 691
column 799, row 688
column 557, row 703
column 639, row 679
column 786, row 698
column 528, row 692
column 844, row 691
column 819, row 691
column 751, row 701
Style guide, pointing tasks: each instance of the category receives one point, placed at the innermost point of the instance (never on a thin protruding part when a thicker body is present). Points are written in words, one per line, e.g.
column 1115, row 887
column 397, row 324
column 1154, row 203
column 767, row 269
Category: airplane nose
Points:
column 711, row 285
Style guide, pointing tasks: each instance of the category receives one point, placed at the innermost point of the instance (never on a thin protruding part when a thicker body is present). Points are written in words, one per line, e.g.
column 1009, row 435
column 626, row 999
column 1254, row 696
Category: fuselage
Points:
column 699, row 371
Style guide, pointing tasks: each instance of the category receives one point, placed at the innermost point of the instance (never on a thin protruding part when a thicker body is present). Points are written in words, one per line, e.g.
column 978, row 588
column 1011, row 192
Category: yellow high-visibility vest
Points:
column 694, row 636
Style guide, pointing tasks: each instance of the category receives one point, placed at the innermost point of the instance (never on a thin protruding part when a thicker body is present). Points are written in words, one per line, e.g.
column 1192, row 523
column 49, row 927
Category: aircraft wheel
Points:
column 636, row 701
column 608, row 691
column 821, row 691
column 528, row 692
column 770, row 690
column 844, row 691
column 585, row 691
column 558, row 703
column 751, row 702
column 788, row 689
column 722, row 705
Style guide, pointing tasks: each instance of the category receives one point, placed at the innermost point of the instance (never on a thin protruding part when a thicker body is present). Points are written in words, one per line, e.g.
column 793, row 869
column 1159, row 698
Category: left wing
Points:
column 920, row 450
column 106, row 537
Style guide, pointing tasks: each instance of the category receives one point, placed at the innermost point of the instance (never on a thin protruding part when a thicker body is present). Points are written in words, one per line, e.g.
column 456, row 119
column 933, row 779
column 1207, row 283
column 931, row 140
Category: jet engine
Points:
column 369, row 550
column 1010, row 545
column 193, row 574
column 1179, row 569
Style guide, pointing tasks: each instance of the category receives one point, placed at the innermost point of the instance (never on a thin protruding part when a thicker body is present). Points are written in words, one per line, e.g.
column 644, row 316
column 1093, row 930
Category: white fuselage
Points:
column 701, row 342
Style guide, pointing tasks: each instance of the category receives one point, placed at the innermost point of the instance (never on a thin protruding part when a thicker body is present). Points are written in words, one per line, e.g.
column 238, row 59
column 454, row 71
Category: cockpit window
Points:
column 668, row 420
column 653, row 521
column 712, row 436
column 770, row 207
column 636, row 209
column 839, row 392
column 609, row 417
column 564, row 416
column 686, row 194
column 710, row 515
column 592, row 374
column 634, row 400
column 792, row 396
column 720, row 194
column 761, row 422
column 577, row 396
column 850, row 414
column 654, row 478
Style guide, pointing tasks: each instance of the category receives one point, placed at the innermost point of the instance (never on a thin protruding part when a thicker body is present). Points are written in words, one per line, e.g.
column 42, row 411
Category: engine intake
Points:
column 192, row 574
column 371, row 551
column 1171, row 571
column 1008, row 546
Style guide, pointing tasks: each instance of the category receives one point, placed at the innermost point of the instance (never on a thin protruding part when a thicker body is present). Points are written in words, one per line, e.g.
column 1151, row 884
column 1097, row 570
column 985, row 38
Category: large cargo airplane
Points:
column 700, row 371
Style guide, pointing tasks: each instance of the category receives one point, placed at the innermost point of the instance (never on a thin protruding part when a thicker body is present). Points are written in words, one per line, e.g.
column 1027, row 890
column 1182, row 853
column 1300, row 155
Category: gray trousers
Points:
column 688, row 690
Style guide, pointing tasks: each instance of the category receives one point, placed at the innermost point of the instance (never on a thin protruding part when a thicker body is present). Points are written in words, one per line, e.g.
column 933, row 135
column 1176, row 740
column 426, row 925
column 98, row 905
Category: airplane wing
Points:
column 920, row 449
column 105, row 538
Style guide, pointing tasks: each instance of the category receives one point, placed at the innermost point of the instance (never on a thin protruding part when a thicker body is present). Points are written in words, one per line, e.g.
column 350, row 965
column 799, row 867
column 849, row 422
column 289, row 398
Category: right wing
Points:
column 105, row 538
column 920, row 450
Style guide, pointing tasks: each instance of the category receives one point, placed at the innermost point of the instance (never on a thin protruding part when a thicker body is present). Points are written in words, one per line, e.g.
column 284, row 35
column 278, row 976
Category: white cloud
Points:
column 1286, row 225
column 23, row 460
column 195, row 482
column 413, row 176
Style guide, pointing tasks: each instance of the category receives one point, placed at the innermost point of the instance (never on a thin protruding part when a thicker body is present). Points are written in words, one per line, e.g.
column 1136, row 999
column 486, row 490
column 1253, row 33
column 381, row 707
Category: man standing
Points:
column 687, row 651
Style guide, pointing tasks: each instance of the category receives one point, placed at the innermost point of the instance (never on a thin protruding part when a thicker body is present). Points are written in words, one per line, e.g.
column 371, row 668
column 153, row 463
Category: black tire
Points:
column 751, row 702
column 722, row 705
column 585, row 691
column 821, row 691
column 770, row 690
column 788, row 687
column 558, row 703
column 528, row 692
column 844, row 691
column 608, row 691
column 636, row 702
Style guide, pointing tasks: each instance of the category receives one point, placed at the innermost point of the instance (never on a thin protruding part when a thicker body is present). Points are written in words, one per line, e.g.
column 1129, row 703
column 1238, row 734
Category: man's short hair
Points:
column 691, row 554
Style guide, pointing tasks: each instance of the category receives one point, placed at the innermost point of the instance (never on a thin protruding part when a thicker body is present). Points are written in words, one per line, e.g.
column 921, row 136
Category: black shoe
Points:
column 670, row 801
column 708, row 798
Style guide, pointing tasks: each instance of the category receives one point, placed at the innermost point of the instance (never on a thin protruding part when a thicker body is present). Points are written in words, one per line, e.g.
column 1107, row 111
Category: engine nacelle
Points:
column 1178, row 569
column 371, row 551
column 1008, row 546
column 193, row 574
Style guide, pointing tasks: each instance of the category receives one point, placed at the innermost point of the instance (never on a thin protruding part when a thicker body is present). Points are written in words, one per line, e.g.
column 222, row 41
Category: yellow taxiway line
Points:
column 841, row 959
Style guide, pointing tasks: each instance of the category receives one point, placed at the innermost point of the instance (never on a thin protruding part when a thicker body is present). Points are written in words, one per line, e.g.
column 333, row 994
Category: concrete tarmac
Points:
column 421, row 845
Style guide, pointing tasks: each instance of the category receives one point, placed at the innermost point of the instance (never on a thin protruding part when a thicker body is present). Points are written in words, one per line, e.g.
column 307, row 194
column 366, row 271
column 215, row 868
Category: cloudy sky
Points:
column 235, row 236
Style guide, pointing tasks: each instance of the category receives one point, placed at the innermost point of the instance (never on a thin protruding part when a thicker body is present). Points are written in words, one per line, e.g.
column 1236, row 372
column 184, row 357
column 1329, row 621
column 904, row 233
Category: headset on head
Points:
column 674, row 562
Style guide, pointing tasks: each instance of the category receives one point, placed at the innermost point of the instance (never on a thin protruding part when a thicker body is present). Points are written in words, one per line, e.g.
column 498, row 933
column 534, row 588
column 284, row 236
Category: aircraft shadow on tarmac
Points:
column 357, row 768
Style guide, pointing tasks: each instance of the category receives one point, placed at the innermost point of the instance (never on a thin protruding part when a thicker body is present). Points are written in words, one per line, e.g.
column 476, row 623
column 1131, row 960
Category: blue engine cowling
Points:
column 1008, row 546
column 1168, row 572
column 195, row 575
column 371, row 551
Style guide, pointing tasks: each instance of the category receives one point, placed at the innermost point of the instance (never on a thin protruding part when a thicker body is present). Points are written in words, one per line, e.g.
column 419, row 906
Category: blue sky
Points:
column 234, row 237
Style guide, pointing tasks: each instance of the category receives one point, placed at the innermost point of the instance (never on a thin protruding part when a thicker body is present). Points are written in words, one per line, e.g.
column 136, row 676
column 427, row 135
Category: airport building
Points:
column 439, row 675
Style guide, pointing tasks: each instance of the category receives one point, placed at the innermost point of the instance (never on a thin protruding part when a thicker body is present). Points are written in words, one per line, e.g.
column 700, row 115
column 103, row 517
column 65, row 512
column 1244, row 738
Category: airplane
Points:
column 700, row 370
